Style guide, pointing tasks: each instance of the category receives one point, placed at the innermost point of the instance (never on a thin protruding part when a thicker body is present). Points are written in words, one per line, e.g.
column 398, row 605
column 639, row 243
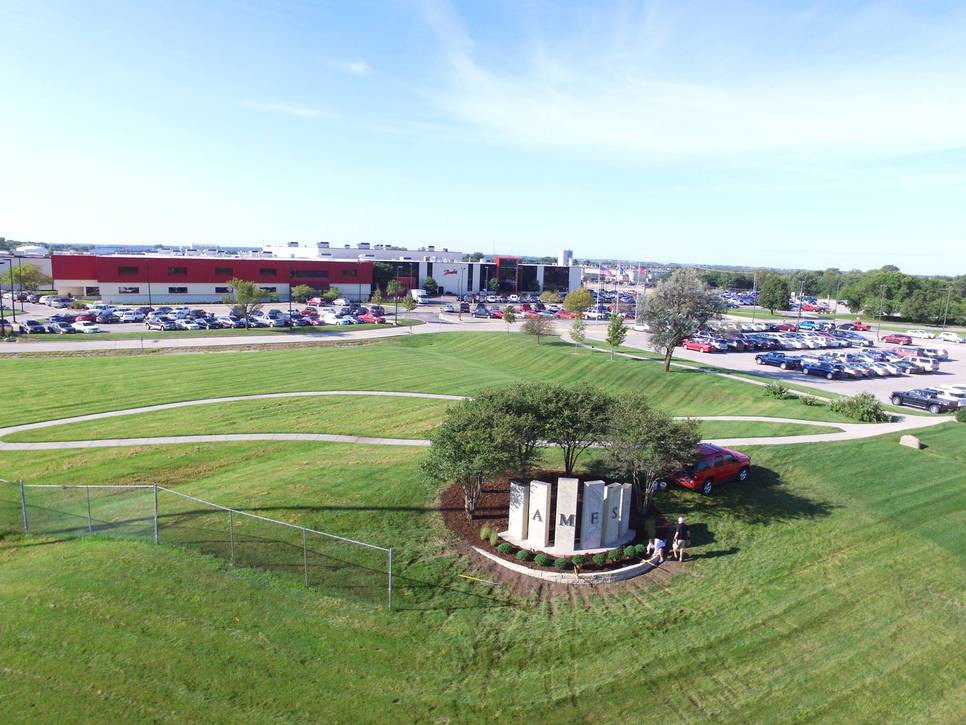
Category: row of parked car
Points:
column 183, row 318
column 853, row 364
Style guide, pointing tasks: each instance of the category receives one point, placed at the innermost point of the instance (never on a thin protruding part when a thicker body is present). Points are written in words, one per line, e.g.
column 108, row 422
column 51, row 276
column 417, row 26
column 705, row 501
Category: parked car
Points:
column 779, row 359
column 209, row 323
column 373, row 319
column 159, row 323
column 897, row 339
column 60, row 328
column 925, row 334
column 187, row 324
column 924, row 398
column 951, row 337
column 131, row 316
column 698, row 345
column 948, row 393
column 925, row 364
column 481, row 311
column 828, row 370
column 712, row 467
column 86, row 326
column 32, row 327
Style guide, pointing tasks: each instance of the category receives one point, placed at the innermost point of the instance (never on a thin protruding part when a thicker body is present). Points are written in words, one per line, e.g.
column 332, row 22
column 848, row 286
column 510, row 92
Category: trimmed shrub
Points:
column 599, row 559
column 961, row 415
column 809, row 401
column 485, row 533
column 578, row 560
column 614, row 555
column 542, row 559
column 523, row 555
column 777, row 390
column 640, row 550
column 864, row 407
column 629, row 551
column 561, row 563
column 505, row 548
column 494, row 538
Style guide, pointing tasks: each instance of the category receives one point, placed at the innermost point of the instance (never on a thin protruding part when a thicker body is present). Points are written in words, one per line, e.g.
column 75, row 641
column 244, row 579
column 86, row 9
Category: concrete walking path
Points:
column 848, row 431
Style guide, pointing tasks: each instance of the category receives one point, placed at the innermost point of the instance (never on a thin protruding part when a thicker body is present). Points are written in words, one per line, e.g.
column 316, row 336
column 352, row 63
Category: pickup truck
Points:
column 779, row 359
column 925, row 398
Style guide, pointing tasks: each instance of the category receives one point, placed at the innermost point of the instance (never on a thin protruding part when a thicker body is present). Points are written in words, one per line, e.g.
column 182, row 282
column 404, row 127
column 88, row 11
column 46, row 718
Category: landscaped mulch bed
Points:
column 492, row 511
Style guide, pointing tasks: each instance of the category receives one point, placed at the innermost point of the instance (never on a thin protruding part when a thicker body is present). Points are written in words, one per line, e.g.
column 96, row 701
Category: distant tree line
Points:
column 887, row 289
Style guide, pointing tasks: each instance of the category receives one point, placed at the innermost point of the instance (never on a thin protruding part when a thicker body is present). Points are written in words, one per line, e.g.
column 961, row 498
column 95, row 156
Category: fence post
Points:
column 231, row 537
column 390, row 577
column 90, row 519
column 305, row 556
column 23, row 509
column 157, row 537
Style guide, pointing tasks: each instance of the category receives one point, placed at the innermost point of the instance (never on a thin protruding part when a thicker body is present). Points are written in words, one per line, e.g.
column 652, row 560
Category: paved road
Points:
column 848, row 431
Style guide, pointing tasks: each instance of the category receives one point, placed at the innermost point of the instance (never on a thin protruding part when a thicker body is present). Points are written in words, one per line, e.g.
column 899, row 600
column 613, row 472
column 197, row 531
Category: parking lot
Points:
column 952, row 371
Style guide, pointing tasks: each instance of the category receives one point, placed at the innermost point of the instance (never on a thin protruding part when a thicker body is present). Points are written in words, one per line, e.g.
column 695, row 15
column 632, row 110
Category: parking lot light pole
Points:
column 949, row 293
column 13, row 302
column 878, row 326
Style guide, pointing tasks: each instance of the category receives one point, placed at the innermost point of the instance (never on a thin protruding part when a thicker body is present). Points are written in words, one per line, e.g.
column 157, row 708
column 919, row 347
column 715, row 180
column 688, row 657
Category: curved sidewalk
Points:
column 849, row 431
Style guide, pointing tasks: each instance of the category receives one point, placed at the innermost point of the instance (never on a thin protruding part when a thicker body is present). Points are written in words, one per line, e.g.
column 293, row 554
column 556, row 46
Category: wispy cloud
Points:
column 662, row 83
column 352, row 67
column 287, row 109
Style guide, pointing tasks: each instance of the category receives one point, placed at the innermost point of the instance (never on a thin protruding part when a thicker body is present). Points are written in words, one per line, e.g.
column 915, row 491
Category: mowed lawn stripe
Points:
column 814, row 595
column 454, row 363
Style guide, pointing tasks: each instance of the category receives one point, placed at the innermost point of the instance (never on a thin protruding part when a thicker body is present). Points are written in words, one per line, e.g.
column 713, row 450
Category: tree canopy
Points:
column 679, row 307
column 774, row 293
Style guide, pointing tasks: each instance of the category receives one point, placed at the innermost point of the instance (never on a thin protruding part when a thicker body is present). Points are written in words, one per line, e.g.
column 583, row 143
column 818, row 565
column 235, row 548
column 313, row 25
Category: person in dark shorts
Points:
column 682, row 537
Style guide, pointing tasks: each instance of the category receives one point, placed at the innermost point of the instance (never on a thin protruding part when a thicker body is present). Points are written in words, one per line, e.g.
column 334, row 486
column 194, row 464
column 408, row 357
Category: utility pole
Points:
column 754, row 296
column 878, row 326
column 800, row 295
column 949, row 293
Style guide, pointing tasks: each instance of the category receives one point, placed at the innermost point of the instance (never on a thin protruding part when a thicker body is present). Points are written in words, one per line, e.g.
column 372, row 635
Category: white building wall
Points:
column 453, row 277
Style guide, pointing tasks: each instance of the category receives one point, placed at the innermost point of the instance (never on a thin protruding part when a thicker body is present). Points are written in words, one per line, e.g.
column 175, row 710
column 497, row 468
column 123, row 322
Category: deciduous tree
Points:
column 302, row 292
column 245, row 296
column 774, row 293
column 679, row 307
column 576, row 419
column 616, row 332
column 509, row 317
column 538, row 327
column 645, row 445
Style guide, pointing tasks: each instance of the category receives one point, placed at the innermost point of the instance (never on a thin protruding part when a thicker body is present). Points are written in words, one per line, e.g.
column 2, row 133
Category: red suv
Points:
column 712, row 467
column 897, row 339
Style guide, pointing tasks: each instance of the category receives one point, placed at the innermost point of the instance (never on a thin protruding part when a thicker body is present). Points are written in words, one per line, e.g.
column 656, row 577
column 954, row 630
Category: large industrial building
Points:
column 154, row 278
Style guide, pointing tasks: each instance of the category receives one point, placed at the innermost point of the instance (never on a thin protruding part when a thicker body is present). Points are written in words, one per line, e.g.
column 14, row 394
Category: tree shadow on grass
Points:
column 762, row 499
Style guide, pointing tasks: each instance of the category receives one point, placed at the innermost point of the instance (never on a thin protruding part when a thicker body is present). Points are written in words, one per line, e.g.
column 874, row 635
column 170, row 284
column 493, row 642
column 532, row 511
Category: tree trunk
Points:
column 668, row 353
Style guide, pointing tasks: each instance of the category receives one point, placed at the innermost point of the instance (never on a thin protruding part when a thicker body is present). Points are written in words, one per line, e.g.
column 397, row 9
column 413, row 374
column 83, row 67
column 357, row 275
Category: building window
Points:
column 222, row 290
column 308, row 273
column 176, row 271
column 129, row 290
column 350, row 272
column 92, row 291
column 127, row 270
column 177, row 290
column 269, row 290
column 223, row 271
column 268, row 271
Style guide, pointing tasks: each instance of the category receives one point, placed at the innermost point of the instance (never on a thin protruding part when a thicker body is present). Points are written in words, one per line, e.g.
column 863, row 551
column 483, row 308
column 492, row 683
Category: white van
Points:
column 419, row 295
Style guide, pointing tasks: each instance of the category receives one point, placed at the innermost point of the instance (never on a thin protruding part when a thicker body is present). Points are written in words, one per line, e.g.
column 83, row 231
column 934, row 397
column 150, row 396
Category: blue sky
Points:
column 798, row 134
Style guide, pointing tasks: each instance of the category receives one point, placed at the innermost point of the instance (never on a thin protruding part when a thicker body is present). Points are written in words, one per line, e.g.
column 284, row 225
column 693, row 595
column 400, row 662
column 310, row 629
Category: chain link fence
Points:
column 148, row 512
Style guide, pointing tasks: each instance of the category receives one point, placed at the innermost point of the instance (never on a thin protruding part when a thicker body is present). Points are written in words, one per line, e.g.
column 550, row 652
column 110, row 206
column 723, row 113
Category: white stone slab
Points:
column 519, row 509
column 565, row 517
column 538, row 533
column 626, row 498
column 612, row 515
column 591, row 514
column 910, row 441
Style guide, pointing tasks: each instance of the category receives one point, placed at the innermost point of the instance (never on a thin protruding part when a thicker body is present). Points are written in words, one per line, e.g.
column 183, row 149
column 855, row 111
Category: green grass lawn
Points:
column 755, row 429
column 827, row 588
column 241, row 332
column 456, row 363
column 349, row 415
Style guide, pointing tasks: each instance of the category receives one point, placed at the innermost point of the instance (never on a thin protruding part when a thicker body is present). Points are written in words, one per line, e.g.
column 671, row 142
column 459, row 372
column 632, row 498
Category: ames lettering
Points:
column 568, row 520
column 536, row 516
